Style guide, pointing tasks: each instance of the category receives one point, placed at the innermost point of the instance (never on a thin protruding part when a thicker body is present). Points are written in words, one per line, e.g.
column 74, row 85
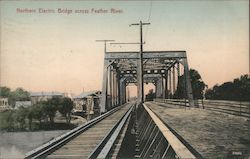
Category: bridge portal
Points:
column 162, row 68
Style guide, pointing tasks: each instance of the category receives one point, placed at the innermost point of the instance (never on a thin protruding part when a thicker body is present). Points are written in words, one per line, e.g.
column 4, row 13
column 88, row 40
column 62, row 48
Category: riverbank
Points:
column 14, row 145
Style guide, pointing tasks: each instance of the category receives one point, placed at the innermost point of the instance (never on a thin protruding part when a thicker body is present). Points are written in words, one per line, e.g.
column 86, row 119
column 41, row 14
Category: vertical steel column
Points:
column 158, row 87
column 166, row 85
column 110, row 85
column 188, row 83
column 178, row 73
column 170, row 84
column 104, row 87
column 114, row 88
column 178, row 70
column 163, row 87
column 125, row 91
column 174, row 79
column 121, row 91
column 118, row 88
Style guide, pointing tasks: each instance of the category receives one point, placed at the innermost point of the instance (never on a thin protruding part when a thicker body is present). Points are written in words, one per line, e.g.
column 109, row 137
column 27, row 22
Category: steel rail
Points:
column 174, row 143
column 63, row 139
column 103, row 148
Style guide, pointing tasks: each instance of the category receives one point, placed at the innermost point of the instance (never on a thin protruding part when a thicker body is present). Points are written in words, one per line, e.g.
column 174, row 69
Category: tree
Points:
column 30, row 116
column 7, row 120
column 50, row 108
column 151, row 95
column 197, row 85
column 4, row 92
column 238, row 90
column 65, row 108
column 38, row 111
column 18, row 95
column 20, row 116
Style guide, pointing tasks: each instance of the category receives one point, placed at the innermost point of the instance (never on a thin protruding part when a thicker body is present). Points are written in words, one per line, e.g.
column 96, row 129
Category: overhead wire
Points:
column 148, row 20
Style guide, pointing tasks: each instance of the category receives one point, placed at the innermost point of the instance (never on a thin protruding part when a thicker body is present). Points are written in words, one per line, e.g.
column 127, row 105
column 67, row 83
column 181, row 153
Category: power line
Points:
column 149, row 17
column 150, row 9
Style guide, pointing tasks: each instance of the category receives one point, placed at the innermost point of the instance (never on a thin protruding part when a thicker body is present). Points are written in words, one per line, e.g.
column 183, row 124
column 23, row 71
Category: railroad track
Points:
column 95, row 139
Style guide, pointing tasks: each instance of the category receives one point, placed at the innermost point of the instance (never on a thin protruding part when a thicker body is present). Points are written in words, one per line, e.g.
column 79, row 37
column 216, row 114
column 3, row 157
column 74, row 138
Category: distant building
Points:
column 68, row 95
column 44, row 96
column 24, row 104
column 4, row 104
column 88, row 102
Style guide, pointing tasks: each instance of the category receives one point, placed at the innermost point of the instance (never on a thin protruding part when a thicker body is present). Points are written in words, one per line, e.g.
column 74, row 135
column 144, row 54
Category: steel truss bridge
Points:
column 162, row 68
column 135, row 129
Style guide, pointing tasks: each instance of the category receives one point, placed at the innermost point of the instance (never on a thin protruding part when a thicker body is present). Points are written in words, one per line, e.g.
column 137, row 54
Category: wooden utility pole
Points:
column 105, row 41
column 140, row 64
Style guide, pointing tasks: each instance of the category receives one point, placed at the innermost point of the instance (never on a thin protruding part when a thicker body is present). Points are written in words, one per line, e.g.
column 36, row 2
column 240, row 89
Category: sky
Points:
column 57, row 51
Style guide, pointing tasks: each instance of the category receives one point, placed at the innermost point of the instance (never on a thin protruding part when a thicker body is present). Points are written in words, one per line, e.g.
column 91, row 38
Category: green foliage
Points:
column 20, row 94
column 197, row 85
column 238, row 90
column 50, row 107
column 20, row 116
column 30, row 116
column 27, row 118
column 7, row 120
column 17, row 95
column 4, row 92
column 65, row 108
column 38, row 111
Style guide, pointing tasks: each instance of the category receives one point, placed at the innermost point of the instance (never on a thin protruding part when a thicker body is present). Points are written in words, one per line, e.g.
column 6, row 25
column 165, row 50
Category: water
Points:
column 16, row 144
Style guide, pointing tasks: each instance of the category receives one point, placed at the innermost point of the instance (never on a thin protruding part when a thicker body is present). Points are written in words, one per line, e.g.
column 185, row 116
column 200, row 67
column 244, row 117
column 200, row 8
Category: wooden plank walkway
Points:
column 82, row 145
column 212, row 134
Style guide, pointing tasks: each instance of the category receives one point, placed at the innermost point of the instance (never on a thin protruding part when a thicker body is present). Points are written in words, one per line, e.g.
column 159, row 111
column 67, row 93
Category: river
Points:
column 16, row 144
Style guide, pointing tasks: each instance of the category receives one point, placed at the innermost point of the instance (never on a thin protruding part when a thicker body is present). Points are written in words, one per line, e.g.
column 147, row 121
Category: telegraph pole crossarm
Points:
column 105, row 41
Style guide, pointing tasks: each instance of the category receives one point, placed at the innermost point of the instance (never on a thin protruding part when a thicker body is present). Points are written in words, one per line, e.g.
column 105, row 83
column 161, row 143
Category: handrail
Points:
column 179, row 148
column 229, row 107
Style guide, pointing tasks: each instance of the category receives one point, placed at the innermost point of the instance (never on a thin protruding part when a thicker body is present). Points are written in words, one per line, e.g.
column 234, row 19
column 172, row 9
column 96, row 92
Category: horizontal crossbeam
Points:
column 146, row 55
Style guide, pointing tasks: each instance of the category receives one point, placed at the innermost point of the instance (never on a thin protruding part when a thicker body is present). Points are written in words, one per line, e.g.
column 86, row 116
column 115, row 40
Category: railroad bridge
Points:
column 163, row 128
column 162, row 68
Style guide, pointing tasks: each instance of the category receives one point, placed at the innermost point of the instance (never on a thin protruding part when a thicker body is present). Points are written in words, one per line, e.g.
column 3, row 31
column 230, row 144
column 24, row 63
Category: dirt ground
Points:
column 212, row 134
